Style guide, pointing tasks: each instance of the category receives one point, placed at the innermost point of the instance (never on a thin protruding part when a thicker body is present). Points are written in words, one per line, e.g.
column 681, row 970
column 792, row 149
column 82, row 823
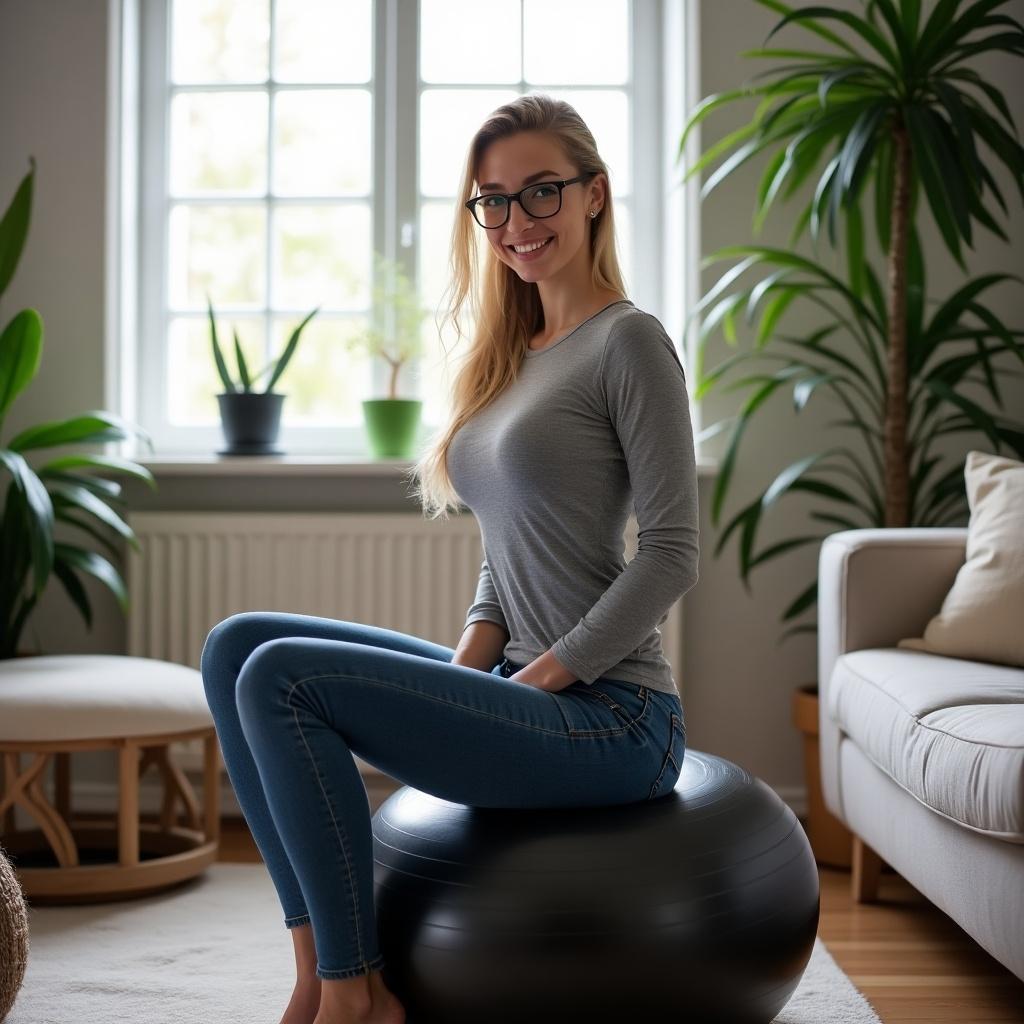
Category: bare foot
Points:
column 305, row 1003
column 386, row 1007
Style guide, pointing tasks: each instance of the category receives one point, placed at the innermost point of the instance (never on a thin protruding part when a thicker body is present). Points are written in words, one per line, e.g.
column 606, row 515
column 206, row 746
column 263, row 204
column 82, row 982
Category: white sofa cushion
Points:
column 92, row 696
column 949, row 731
column 982, row 616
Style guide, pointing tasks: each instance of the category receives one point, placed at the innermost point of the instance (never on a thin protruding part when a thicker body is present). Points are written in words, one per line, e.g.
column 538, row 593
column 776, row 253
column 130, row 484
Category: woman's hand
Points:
column 546, row 673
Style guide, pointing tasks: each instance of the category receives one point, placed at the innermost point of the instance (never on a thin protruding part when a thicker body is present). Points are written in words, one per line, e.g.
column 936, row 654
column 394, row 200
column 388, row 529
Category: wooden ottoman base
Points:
column 65, row 862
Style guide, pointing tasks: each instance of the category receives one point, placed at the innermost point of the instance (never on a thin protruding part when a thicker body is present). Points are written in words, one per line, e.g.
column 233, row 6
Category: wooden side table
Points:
column 55, row 705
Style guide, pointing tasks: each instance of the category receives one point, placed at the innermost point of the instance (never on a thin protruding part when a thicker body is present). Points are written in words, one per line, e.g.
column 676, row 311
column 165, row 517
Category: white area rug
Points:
column 216, row 950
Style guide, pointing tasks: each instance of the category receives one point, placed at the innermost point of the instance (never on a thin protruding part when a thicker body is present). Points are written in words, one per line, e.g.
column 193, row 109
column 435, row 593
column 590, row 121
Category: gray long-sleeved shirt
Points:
column 593, row 422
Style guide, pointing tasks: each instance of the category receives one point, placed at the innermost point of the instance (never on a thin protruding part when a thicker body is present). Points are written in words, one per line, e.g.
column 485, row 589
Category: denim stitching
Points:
column 633, row 723
column 656, row 786
column 337, row 832
column 428, row 696
column 351, row 972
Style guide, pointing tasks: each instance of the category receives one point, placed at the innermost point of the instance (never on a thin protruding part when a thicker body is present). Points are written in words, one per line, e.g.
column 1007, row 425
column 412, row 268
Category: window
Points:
column 284, row 144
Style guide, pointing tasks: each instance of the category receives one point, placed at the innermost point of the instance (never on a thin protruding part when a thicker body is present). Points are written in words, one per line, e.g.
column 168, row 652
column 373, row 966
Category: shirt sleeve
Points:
column 485, row 606
column 644, row 387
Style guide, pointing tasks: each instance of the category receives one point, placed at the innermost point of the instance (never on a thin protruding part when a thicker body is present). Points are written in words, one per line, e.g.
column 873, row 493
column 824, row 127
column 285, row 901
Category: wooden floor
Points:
column 910, row 961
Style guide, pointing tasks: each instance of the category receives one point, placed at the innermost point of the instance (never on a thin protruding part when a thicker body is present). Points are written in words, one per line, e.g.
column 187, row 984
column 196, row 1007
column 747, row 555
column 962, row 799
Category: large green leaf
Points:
column 81, row 499
column 863, row 28
column 14, row 227
column 94, row 426
column 75, row 589
column 112, row 462
column 38, row 515
column 108, row 490
column 96, row 565
column 21, row 345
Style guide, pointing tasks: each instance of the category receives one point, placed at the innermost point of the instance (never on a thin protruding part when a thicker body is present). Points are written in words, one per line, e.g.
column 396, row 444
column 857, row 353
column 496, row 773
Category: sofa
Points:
column 922, row 755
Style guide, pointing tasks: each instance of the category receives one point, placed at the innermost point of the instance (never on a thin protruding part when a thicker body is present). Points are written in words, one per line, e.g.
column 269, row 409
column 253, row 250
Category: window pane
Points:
column 606, row 114
column 322, row 142
column 322, row 257
column 218, row 142
column 466, row 41
column 576, row 41
column 435, row 248
column 219, row 40
column 216, row 249
column 192, row 378
column 324, row 382
column 435, row 237
column 323, row 41
column 448, row 120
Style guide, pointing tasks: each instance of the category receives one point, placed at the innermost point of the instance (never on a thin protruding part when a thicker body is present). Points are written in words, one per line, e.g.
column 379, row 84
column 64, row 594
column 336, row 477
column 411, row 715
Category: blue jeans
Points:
column 293, row 697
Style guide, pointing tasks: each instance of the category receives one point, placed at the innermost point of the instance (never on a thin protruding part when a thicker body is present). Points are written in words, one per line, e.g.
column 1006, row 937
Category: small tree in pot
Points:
column 251, row 420
column 392, row 422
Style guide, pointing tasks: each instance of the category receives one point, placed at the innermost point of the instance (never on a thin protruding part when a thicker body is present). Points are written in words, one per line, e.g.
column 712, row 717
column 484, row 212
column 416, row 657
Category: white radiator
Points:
column 394, row 570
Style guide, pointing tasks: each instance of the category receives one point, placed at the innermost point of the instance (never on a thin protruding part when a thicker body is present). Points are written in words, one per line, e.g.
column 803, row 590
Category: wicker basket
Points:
column 13, row 936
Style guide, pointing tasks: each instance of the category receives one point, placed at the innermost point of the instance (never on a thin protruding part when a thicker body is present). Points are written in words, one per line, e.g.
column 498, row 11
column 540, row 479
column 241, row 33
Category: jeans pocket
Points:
column 672, row 759
column 628, row 707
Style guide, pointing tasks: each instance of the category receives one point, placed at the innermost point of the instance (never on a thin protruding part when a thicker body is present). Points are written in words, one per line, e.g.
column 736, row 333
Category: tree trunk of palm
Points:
column 897, row 470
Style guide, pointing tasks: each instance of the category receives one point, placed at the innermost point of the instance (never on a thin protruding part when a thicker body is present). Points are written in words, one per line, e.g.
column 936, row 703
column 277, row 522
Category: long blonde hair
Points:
column 509, row 310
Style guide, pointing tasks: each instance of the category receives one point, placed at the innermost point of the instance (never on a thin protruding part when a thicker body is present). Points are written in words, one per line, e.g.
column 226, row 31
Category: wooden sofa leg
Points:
column 867, row 867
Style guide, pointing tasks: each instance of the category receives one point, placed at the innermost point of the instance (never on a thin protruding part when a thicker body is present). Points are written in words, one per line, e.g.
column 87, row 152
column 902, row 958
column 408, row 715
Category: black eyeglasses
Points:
column 543, row 199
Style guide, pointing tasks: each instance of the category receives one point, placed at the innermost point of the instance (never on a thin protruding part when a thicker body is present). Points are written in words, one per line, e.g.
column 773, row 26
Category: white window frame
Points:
column 665, row 277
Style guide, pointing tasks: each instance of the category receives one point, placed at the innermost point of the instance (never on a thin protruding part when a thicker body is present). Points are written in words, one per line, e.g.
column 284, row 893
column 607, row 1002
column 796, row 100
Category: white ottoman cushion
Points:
column 95, row 696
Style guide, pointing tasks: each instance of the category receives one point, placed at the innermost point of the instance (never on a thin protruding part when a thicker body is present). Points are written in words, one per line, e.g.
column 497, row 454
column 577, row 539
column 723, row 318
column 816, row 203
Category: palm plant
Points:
column 39, row 497
column 901, row 109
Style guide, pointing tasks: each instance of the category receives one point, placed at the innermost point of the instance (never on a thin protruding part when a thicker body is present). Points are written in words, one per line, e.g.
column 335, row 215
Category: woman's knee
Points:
column 226, row 648
column 263, row 678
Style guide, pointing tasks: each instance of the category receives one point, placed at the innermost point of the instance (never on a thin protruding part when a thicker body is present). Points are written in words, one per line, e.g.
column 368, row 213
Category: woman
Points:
column 570, row 406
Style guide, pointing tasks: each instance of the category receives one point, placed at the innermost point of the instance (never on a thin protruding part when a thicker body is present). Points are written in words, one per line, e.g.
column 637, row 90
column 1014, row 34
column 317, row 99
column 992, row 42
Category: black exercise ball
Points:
column 698, row 906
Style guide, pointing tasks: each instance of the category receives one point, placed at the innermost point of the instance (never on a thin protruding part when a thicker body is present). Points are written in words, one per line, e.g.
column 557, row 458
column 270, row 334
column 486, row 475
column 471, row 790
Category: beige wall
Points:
column 736, row 680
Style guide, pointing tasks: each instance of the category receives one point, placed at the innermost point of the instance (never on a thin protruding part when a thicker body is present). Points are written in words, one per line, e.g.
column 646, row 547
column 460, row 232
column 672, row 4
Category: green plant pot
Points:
column 250, row 422
column 391, row 426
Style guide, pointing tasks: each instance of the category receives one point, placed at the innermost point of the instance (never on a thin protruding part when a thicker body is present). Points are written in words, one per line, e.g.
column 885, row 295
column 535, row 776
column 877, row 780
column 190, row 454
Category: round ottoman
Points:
column 701, row 905
column 54, row 705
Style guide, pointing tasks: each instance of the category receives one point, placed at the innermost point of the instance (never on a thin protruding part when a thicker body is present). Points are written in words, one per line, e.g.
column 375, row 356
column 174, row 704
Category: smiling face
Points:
column 526, row 158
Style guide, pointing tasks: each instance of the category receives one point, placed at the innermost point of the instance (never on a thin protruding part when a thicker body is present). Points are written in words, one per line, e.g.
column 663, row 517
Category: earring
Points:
column 593, row 213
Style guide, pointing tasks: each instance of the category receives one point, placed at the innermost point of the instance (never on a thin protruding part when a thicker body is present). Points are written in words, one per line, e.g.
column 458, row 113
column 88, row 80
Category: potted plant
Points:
column 392, row 423
column 898, row 105
column 57, row 491
column 251, row 419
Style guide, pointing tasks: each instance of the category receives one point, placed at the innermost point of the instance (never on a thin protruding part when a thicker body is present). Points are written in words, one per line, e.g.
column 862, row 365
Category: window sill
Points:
column 300, row 465
column 271, row 465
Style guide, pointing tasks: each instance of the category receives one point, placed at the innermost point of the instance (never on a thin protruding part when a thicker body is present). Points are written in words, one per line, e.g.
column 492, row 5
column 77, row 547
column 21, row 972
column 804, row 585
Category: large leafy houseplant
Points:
column 893, row 103
column 56, row 491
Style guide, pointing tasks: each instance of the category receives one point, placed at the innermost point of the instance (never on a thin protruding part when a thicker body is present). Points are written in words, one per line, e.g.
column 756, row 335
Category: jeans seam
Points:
column 365, row 967
column 672, row 729
column 428, row 696
column 338, row 833
column 609, row 701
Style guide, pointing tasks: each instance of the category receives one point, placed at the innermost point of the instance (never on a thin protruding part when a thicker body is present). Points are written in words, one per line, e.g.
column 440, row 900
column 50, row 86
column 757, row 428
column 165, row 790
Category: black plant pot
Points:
column 250, row 422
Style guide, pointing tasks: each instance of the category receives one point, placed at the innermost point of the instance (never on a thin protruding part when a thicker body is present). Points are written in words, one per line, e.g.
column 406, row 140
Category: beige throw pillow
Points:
column 982, row 617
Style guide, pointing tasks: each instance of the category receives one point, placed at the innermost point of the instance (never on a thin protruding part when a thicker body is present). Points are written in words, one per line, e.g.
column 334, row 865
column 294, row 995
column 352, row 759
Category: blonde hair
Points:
column 507, row 310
